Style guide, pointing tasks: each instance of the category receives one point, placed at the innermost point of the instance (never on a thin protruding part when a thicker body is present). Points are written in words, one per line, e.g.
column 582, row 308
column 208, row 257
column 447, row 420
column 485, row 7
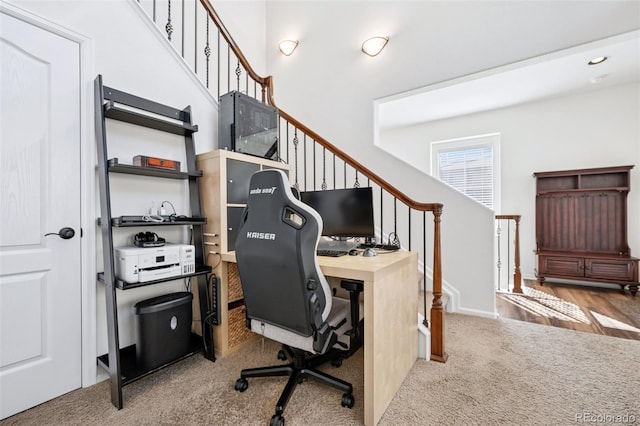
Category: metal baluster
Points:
column 395, row 240
column 207, row 54
column 409, row 228
column 314, row 165
column 154, row 10
column 324, row 168
column 295, row 157
column 344, row 173
column 356, row 184
column 334, row 171
column 182, row 51
column 238, row 73
column 381, row 215
column 499, row 263
column 304, row 156
column 219, row 50
column 169, row 28
column 287, row 133
column 228, row 68
column 195, row 37
column 509, row 275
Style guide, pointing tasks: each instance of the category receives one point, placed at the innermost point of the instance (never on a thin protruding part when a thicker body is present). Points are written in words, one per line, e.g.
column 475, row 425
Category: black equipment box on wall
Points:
column 163, row 329
column 247, row 125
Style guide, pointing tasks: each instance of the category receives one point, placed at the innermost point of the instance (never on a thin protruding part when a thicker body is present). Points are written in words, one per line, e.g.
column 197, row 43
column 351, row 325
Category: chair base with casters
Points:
column 303, row 364
column 301, row 367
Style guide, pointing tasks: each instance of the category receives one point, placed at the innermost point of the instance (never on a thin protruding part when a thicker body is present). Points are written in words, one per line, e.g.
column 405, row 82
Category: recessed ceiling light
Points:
column 598, row 60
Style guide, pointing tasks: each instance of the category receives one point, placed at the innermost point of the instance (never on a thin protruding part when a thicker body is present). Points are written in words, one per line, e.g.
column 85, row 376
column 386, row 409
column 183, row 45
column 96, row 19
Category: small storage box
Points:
column 163, row 329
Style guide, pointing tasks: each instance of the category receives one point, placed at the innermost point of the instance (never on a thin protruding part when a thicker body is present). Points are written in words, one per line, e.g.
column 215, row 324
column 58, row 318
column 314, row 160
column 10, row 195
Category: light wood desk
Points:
column 390, row 320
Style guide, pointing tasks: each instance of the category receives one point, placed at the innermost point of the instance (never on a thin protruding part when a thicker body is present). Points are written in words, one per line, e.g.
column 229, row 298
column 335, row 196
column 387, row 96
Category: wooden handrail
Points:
column 234, row 47
column 437, row 313
column 267, row 84
column 430, row 207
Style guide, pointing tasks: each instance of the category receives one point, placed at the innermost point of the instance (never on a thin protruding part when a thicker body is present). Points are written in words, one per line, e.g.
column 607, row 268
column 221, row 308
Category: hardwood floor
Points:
column 595, row 310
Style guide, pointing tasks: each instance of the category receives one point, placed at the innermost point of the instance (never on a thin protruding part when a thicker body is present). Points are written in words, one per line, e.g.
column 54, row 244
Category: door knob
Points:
column 64, row 233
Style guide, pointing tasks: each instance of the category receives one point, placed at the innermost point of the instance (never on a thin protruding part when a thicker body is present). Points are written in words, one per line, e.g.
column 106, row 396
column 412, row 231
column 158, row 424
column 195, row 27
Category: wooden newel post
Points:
column 517, row 275
column 437, row 312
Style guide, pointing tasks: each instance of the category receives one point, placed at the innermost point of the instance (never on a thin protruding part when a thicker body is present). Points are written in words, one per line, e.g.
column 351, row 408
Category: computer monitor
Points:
column 345, row 212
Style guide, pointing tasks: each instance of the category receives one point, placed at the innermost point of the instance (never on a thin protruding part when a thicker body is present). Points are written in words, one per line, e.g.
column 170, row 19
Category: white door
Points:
column 40, row 275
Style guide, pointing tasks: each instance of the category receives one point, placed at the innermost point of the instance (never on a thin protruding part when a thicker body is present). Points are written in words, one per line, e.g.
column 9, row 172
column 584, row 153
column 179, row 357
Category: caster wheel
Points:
column 348, row 400
column 281, row 355
column 336, row 362
column 276, row 420
column 241, row 385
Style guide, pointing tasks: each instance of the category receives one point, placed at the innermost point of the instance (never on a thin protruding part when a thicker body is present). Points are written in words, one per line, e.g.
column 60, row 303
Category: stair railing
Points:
column 506, row 282
column 208, row 48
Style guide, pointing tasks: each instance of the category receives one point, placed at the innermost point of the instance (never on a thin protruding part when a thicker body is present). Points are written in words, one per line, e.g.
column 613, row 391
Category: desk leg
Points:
column 391, row 336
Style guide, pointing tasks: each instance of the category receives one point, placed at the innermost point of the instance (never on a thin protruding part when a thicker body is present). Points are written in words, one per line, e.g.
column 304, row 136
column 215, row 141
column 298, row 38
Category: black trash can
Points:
column 163, row 329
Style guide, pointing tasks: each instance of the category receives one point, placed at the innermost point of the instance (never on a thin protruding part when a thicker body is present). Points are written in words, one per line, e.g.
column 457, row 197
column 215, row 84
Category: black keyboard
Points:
column 379, row 246
column 331, row 253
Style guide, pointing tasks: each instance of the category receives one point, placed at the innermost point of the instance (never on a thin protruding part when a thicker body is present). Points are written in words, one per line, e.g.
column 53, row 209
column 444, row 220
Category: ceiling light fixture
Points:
column 598, row 60
column 374, row 45
column 287, row 46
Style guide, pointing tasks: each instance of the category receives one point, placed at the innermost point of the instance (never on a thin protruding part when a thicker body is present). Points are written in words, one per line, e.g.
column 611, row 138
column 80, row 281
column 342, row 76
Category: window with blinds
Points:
column 470, row 166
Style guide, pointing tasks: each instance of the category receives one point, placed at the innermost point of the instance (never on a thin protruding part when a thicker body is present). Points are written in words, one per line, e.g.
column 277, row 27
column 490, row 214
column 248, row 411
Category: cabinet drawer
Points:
column 561, row 265
column 611, row 269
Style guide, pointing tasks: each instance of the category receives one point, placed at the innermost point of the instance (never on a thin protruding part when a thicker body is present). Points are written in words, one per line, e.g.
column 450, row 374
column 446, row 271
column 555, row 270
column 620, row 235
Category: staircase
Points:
column 206, row 46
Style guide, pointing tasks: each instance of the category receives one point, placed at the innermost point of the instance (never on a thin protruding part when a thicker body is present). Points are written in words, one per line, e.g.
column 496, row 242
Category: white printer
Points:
column 141, row 264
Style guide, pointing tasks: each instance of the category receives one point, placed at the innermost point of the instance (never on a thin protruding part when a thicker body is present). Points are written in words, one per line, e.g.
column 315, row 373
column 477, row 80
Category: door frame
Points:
column 87, row 185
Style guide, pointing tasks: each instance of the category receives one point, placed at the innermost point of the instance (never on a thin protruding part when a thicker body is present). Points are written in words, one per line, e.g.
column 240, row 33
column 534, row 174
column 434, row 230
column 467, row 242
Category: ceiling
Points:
column 556, row 74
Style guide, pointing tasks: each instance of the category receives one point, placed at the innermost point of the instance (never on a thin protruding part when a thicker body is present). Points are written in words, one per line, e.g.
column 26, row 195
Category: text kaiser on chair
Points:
column 286, row 295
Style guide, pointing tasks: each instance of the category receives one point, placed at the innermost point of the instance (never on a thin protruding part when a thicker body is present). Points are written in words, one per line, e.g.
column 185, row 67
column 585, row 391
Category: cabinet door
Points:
column 600, row 221
column 561, row 266
column 556, row 223
column 238, row 177
column 234, row 215
column 611, row 269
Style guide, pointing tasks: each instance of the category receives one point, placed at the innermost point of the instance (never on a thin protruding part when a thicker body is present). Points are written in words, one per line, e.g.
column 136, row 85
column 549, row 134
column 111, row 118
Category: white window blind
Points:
column 468, row 166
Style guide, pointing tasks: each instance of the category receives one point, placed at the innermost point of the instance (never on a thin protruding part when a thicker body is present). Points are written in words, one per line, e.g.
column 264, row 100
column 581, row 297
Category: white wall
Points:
column 331, row 86
column 246, row 22
column 132, row 58
column 596, row 129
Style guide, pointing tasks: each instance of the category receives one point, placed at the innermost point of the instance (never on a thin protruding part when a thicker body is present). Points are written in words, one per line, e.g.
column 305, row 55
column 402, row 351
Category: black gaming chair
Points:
column 286, row 295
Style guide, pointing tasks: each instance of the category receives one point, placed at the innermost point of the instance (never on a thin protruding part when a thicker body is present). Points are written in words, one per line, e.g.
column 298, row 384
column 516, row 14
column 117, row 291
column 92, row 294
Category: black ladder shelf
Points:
column 120, row 363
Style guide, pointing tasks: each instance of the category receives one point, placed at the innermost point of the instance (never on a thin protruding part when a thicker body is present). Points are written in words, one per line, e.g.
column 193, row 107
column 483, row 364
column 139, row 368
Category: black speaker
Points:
column 247, row 125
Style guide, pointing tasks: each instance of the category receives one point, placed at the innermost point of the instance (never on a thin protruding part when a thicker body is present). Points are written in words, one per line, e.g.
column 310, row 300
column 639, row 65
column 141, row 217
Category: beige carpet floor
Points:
column 499, row 372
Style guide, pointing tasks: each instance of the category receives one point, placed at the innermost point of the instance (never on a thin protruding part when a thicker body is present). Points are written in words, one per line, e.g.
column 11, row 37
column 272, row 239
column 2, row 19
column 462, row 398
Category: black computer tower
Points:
column 247, row 125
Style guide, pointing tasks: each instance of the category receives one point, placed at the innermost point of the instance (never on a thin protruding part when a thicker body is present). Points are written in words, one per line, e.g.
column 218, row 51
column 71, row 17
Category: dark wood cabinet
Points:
column 581, row 226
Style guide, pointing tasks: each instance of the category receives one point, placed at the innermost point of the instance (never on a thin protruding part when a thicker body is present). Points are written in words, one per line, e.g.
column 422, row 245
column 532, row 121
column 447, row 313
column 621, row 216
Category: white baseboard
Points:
column 475, row 312
column 424, row 339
